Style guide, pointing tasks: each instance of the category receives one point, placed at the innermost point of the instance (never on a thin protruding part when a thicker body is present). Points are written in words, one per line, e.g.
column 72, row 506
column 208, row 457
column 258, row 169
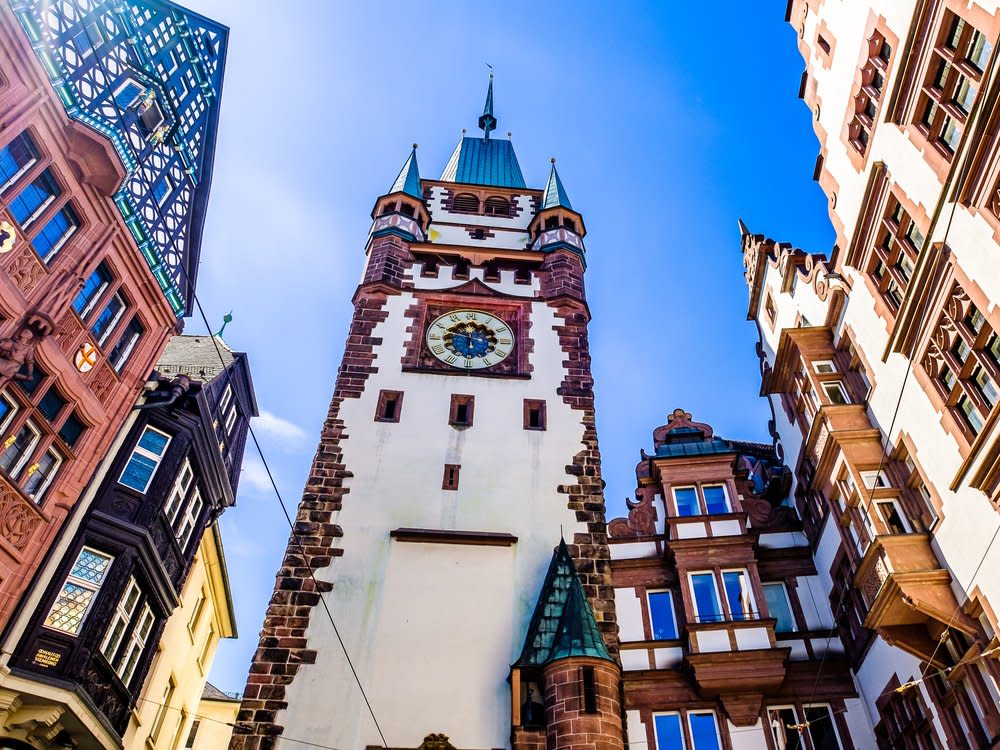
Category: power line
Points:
column 884, row 453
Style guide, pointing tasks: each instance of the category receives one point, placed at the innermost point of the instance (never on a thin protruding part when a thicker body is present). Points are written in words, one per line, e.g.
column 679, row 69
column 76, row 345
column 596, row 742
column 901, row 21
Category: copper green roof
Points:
column 563, row 624
column 484, row 161
column 695, row 448
column 555, row 193
column 408, row 180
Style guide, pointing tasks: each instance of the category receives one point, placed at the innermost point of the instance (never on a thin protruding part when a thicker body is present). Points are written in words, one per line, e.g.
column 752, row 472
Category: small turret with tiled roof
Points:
column 556, row 224
column 402, row 210
column 566, row 684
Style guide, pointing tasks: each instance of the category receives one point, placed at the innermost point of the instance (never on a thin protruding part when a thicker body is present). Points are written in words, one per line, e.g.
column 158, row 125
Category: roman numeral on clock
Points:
column 438, row 349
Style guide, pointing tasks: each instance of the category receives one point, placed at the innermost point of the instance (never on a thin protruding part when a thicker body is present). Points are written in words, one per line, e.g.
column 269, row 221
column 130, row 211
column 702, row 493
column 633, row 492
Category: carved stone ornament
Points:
column 641, row 519
column 436, row 742
column 17, row 521
column 18, row 350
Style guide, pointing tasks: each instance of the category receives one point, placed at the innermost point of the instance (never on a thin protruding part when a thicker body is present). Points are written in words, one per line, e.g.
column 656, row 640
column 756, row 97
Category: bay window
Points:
column 79, row 591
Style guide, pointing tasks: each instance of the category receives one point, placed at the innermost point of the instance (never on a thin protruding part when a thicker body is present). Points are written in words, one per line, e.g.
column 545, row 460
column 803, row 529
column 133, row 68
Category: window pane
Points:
column 126, row 343
column 41, row 478
column 784, row 738
column 108, row 318
column 70, row 608
column 821, row 729
column 51, row 404
column 715, row 499
column 704, row 734
column 835, row 392
column 15, row 158
column 661, row 613
column 892, row 517
column 54, row 234
column 92, row 288
column 138, row 472
column 668, row 732
column 71, row 430
column 738, row 594
column 706, row 598
column 27, row 204
column 777, row 604
column 687, row 501
column 153, row 441
column 90, row 566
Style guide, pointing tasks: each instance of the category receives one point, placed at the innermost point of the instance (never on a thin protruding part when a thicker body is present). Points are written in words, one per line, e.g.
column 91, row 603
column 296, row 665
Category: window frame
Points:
column 720, row 615
column 537, row 406
column 93, row 586
column 747, row 592
column 53, row 190
column 38, row 494
column 384, row 398
column 838, row 385
column 22, row 169
column 156, row 459
column 947, row 68
column 22, row 458
column 101, row 338
column 118, row 357
column 787, row 598
column 666, row 595
column 73, row 224
column 458, row 401
column 107, row 278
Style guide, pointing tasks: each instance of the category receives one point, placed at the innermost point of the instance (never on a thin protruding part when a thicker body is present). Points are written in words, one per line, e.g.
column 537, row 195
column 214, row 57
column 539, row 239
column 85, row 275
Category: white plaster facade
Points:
column 963, row 540
column 433, row 628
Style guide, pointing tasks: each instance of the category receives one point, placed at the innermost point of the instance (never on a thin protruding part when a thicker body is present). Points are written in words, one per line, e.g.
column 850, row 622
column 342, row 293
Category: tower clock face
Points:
column 470, row 339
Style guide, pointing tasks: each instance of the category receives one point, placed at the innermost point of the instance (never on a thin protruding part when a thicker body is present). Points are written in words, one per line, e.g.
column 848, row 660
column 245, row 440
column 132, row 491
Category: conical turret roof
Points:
column 563, row 625
column 555, row 194
column 408, row 180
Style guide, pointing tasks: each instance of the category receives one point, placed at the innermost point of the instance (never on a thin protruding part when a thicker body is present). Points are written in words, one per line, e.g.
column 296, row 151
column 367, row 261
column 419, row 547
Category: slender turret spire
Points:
column 487, row 121
column 555, row 193
column 408, row 180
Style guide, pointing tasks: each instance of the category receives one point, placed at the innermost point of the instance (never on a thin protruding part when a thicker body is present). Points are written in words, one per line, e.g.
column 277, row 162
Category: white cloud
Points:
column 255, row 475
column 280, row 429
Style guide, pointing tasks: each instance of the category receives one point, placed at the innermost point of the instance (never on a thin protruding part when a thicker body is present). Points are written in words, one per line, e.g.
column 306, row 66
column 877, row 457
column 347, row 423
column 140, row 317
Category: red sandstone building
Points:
column 102, row 195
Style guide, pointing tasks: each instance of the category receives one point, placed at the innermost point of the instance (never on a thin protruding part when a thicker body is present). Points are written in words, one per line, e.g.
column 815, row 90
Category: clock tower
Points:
column 459, row 449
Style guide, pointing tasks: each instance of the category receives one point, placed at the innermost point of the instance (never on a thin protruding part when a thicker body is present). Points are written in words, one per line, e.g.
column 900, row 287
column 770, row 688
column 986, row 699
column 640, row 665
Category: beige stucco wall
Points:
column 215, row 719
column 184, row 655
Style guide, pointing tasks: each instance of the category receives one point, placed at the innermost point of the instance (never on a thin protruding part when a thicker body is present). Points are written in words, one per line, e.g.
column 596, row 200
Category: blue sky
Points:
column 669, row 121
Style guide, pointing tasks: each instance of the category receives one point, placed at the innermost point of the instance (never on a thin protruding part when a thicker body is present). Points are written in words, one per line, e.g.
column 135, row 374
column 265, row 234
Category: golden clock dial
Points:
column 470, row 339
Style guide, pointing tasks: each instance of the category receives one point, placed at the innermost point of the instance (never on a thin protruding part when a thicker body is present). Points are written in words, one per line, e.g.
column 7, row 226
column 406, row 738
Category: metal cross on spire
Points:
column 487, row 121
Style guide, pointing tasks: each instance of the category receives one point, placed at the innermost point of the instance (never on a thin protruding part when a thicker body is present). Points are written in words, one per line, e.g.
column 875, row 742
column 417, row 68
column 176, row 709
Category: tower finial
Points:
column 226, row 320
column 487, row 121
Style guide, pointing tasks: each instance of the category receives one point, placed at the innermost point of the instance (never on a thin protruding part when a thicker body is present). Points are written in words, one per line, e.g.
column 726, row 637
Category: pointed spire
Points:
column 487, row 121
column 408, row 180
column 563, row 624
column 555, row 193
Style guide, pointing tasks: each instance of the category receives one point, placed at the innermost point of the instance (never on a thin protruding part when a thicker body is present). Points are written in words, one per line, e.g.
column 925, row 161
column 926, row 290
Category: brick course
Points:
column 282, row 646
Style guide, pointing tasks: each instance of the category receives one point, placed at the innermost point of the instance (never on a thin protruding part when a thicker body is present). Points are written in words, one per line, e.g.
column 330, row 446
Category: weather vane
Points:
column 226, row 320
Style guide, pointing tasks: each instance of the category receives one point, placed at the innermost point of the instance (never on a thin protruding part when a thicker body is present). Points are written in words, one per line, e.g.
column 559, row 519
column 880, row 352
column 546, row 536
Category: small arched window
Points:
column 388, row 208
column 552, row 222
column 569, row 224
column 466, row 203
column 497, row 206
column 406, row 209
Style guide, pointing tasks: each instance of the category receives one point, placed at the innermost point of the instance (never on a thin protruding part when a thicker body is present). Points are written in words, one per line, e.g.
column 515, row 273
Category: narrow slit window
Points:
column 461, row 410
column 450, row 481
column 589, row 691
column 534, row 415
column 390, row 404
